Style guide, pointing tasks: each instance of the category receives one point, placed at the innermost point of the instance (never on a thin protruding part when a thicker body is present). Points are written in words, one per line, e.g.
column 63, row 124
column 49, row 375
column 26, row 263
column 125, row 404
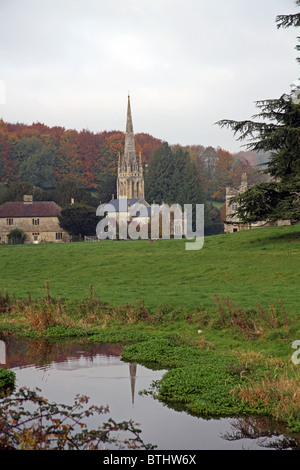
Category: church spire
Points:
column 130, row 183
column 129, row 150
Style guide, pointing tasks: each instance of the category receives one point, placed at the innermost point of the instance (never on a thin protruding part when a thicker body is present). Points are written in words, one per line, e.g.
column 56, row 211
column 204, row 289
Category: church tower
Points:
column 130, row 183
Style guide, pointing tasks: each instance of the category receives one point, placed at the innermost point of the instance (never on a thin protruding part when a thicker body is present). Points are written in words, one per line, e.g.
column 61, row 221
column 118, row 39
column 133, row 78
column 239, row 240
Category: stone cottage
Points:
column 38, row 220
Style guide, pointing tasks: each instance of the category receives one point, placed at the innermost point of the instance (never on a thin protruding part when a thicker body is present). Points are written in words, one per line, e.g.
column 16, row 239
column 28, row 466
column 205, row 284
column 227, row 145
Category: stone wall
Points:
column 37, row 229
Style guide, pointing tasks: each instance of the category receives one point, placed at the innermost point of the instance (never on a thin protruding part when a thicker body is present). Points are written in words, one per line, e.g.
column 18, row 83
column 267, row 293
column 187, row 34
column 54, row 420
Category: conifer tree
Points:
column 158, row 176
column 173, row 178
column 277, row 132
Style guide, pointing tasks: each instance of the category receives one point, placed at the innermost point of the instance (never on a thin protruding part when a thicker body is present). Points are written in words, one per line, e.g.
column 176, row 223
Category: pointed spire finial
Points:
column 129, row 150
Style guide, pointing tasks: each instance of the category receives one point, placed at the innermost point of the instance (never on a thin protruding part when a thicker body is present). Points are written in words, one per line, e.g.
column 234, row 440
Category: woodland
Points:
column 44, row 156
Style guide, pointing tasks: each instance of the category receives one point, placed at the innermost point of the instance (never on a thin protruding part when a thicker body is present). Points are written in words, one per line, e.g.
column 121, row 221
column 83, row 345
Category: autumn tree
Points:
column 68, row 163
column 205, row 158
column 223, row 174
column 88, row 150
column 241, row 165
column 146, row 144
column 7, row 172
column 45, row 155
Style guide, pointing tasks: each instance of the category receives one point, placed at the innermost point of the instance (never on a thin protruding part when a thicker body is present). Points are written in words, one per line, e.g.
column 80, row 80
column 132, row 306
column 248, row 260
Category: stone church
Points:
column 130, row 207
column 130, row 180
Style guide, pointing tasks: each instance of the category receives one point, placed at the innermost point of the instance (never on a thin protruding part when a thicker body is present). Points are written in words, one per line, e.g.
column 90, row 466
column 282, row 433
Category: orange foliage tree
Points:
column 223, row 174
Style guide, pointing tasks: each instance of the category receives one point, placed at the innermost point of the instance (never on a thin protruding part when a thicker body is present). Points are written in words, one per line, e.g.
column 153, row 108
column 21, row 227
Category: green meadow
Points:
column 251, row 267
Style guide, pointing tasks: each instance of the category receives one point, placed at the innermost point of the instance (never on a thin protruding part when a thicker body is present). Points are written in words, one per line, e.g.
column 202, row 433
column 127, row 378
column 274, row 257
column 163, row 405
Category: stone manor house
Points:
column 38, row 220
column 232, row 223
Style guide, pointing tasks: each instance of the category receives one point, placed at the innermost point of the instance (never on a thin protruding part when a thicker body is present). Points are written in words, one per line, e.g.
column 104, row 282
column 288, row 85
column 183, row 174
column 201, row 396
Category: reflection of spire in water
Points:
column 132, row 371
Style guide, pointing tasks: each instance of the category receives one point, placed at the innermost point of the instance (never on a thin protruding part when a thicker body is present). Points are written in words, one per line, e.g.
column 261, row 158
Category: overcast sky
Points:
column 185, row 63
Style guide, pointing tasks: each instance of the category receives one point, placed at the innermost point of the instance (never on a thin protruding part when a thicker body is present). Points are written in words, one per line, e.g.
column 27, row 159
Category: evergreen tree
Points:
column 107, row 187
column 191, row 192
column 67, row 190
column 78, row 220
column 38, row 168
column 16, row 191
column 277, row 132
column 178, row 189
column 173, row 178
column 158, row 176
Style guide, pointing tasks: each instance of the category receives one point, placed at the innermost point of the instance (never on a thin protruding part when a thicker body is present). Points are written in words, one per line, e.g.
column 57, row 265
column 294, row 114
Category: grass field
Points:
column 251, row 267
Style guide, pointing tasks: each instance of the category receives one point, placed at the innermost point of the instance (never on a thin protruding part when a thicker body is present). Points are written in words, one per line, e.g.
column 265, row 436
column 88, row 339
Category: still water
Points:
column 63, row 370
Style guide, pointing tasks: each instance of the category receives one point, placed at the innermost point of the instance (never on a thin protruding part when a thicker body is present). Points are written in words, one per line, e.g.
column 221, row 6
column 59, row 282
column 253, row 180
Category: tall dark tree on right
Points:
column 173, row 178
column 278, row 133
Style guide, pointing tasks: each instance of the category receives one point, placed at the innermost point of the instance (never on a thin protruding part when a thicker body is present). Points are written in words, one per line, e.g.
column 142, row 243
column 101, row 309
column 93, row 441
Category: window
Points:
column 35, row 221
column 59, row 236
column 9, row 221
column 234, row 206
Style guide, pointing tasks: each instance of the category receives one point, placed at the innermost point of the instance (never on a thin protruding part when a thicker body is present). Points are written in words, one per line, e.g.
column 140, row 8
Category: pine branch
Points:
column 286, row 21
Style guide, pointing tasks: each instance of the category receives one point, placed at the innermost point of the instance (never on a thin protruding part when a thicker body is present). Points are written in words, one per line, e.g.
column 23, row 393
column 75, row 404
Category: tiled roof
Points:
column 33, row 209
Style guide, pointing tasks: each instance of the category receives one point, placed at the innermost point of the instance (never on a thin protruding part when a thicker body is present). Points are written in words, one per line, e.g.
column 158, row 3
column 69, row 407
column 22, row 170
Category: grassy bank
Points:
column 222, row 320
column 222, row 361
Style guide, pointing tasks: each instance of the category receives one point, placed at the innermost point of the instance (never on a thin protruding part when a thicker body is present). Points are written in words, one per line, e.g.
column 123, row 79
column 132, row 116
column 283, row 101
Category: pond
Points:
column 63, row 370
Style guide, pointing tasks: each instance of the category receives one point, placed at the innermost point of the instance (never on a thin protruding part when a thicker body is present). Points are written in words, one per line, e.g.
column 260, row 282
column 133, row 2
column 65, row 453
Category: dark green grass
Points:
column 252, row 267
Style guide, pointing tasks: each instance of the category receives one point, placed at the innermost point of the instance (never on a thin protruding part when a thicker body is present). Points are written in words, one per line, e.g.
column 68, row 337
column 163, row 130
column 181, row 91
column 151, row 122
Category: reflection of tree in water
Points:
column 264, row 431
column 42, row 352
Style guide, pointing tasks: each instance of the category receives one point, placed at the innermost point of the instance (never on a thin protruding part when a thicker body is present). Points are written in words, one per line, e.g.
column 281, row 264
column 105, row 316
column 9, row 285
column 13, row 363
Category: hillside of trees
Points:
column 44, row 156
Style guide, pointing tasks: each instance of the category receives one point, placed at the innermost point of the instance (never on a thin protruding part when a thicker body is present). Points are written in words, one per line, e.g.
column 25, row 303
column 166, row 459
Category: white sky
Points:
column 186, row 64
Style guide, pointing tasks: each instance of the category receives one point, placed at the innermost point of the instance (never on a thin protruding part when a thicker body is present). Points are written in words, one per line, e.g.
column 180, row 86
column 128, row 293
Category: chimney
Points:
column 28, row 199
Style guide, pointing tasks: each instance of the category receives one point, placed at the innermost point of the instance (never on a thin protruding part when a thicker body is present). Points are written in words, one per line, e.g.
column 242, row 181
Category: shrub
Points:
column 16, row 236
column 7, row 381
